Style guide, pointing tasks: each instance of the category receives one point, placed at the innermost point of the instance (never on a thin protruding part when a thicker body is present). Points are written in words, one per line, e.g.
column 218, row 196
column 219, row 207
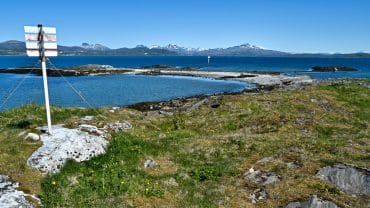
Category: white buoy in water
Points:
column 209, row 59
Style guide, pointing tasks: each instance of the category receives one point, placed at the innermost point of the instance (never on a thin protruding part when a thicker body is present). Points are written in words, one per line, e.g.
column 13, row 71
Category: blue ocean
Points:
column 123, row 90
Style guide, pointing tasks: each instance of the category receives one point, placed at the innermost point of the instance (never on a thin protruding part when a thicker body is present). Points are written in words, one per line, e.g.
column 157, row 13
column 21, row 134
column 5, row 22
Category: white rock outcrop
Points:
column 32, row 136
column 65, row 144
column 10, row 197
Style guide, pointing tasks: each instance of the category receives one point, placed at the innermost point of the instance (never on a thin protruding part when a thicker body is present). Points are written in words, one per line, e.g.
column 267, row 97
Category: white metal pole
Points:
column 46, row 94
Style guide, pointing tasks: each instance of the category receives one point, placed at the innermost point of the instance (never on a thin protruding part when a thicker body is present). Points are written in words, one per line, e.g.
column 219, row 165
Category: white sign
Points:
column 36, row 53
column 49, row 41
column 42, row 47
column 35, row 45
column 33, row 29
column 32, row 37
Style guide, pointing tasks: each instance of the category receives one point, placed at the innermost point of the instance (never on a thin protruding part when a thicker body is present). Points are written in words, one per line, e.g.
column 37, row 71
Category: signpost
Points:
column 41, row 42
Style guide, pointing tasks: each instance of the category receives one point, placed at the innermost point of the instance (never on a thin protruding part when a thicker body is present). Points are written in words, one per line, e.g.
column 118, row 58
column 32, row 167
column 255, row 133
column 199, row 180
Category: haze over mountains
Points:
column 14, row 47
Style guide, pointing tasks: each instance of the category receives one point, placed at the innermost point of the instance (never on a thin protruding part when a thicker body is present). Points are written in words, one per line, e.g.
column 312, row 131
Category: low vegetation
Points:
column 204, row 153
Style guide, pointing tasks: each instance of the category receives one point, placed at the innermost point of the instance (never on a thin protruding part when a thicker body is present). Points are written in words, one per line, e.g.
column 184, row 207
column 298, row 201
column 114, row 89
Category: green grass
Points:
column 204, row 153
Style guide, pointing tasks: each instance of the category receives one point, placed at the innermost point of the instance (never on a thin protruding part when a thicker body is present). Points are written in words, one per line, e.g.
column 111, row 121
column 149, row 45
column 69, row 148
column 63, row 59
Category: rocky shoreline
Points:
column 188, row 103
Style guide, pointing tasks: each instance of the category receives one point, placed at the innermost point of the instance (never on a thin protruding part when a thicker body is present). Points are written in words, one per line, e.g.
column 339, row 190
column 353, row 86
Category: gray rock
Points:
column 215, row 104
column 87, row 118
column 150, row 164
column 166, row 113
column 258, row 195
column 32, row 136
column 10, row 197
column 261, row 177
column 265, row 160
column 65, row 144
column 91, row 129
column 118, row 126
column 292, row 165
column 348, row 178
column 313, row 202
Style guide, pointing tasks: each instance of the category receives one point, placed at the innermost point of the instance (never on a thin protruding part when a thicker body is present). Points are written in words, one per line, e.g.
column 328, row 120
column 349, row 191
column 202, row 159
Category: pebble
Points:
column 150, row 164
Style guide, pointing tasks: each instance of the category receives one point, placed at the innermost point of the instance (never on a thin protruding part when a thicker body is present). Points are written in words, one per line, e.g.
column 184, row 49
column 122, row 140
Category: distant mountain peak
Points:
column 13, row 41
column 141, row 46
column 97, row 47
column 250, row 46
column 178, row 49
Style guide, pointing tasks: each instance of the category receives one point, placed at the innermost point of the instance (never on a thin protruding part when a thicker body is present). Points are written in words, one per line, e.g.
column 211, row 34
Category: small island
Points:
column 262, row 80
column 332, row 68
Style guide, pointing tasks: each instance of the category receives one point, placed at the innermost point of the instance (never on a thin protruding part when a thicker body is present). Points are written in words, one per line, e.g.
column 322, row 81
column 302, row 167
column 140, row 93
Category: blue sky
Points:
column 286, row 25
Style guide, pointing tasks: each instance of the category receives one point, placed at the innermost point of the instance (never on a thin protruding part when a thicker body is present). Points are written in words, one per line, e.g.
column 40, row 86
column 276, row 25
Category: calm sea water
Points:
column 114, row 90
column 121, row 90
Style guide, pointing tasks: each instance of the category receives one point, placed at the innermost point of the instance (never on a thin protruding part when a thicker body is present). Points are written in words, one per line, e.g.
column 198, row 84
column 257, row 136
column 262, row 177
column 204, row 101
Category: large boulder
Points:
column 65, row 144
column 10, row 197
column 348, row 178
column 313, row 202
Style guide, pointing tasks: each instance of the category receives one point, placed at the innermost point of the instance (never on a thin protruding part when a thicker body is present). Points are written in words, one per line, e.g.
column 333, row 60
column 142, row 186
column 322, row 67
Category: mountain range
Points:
column 14, row 47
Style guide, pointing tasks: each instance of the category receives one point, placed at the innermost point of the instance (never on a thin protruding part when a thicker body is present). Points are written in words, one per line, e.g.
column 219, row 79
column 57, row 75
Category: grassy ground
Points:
column 204, row 153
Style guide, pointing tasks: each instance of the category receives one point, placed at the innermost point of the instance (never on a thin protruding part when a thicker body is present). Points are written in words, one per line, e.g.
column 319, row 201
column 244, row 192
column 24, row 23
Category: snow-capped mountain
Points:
column 247, row 50
column 96, row 47
column 242, row 50
column 179, row 49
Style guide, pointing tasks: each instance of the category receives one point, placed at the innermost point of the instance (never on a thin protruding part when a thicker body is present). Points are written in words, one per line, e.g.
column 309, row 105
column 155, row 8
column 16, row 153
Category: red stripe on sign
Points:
column 50, row 38
column 30, row 37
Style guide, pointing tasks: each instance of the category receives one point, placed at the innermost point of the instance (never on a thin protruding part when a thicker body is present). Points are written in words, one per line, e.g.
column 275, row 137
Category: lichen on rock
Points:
column 65, row 144
column 9, row 195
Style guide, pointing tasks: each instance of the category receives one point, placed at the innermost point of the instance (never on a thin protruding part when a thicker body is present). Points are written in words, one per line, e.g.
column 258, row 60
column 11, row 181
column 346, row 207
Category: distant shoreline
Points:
column 308, row 56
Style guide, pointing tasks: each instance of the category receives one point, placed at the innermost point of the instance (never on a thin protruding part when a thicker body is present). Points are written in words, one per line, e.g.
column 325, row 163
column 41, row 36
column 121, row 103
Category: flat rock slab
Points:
column 348, row 178
column 313, row 202
column 65, row 144
column 10, row 197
